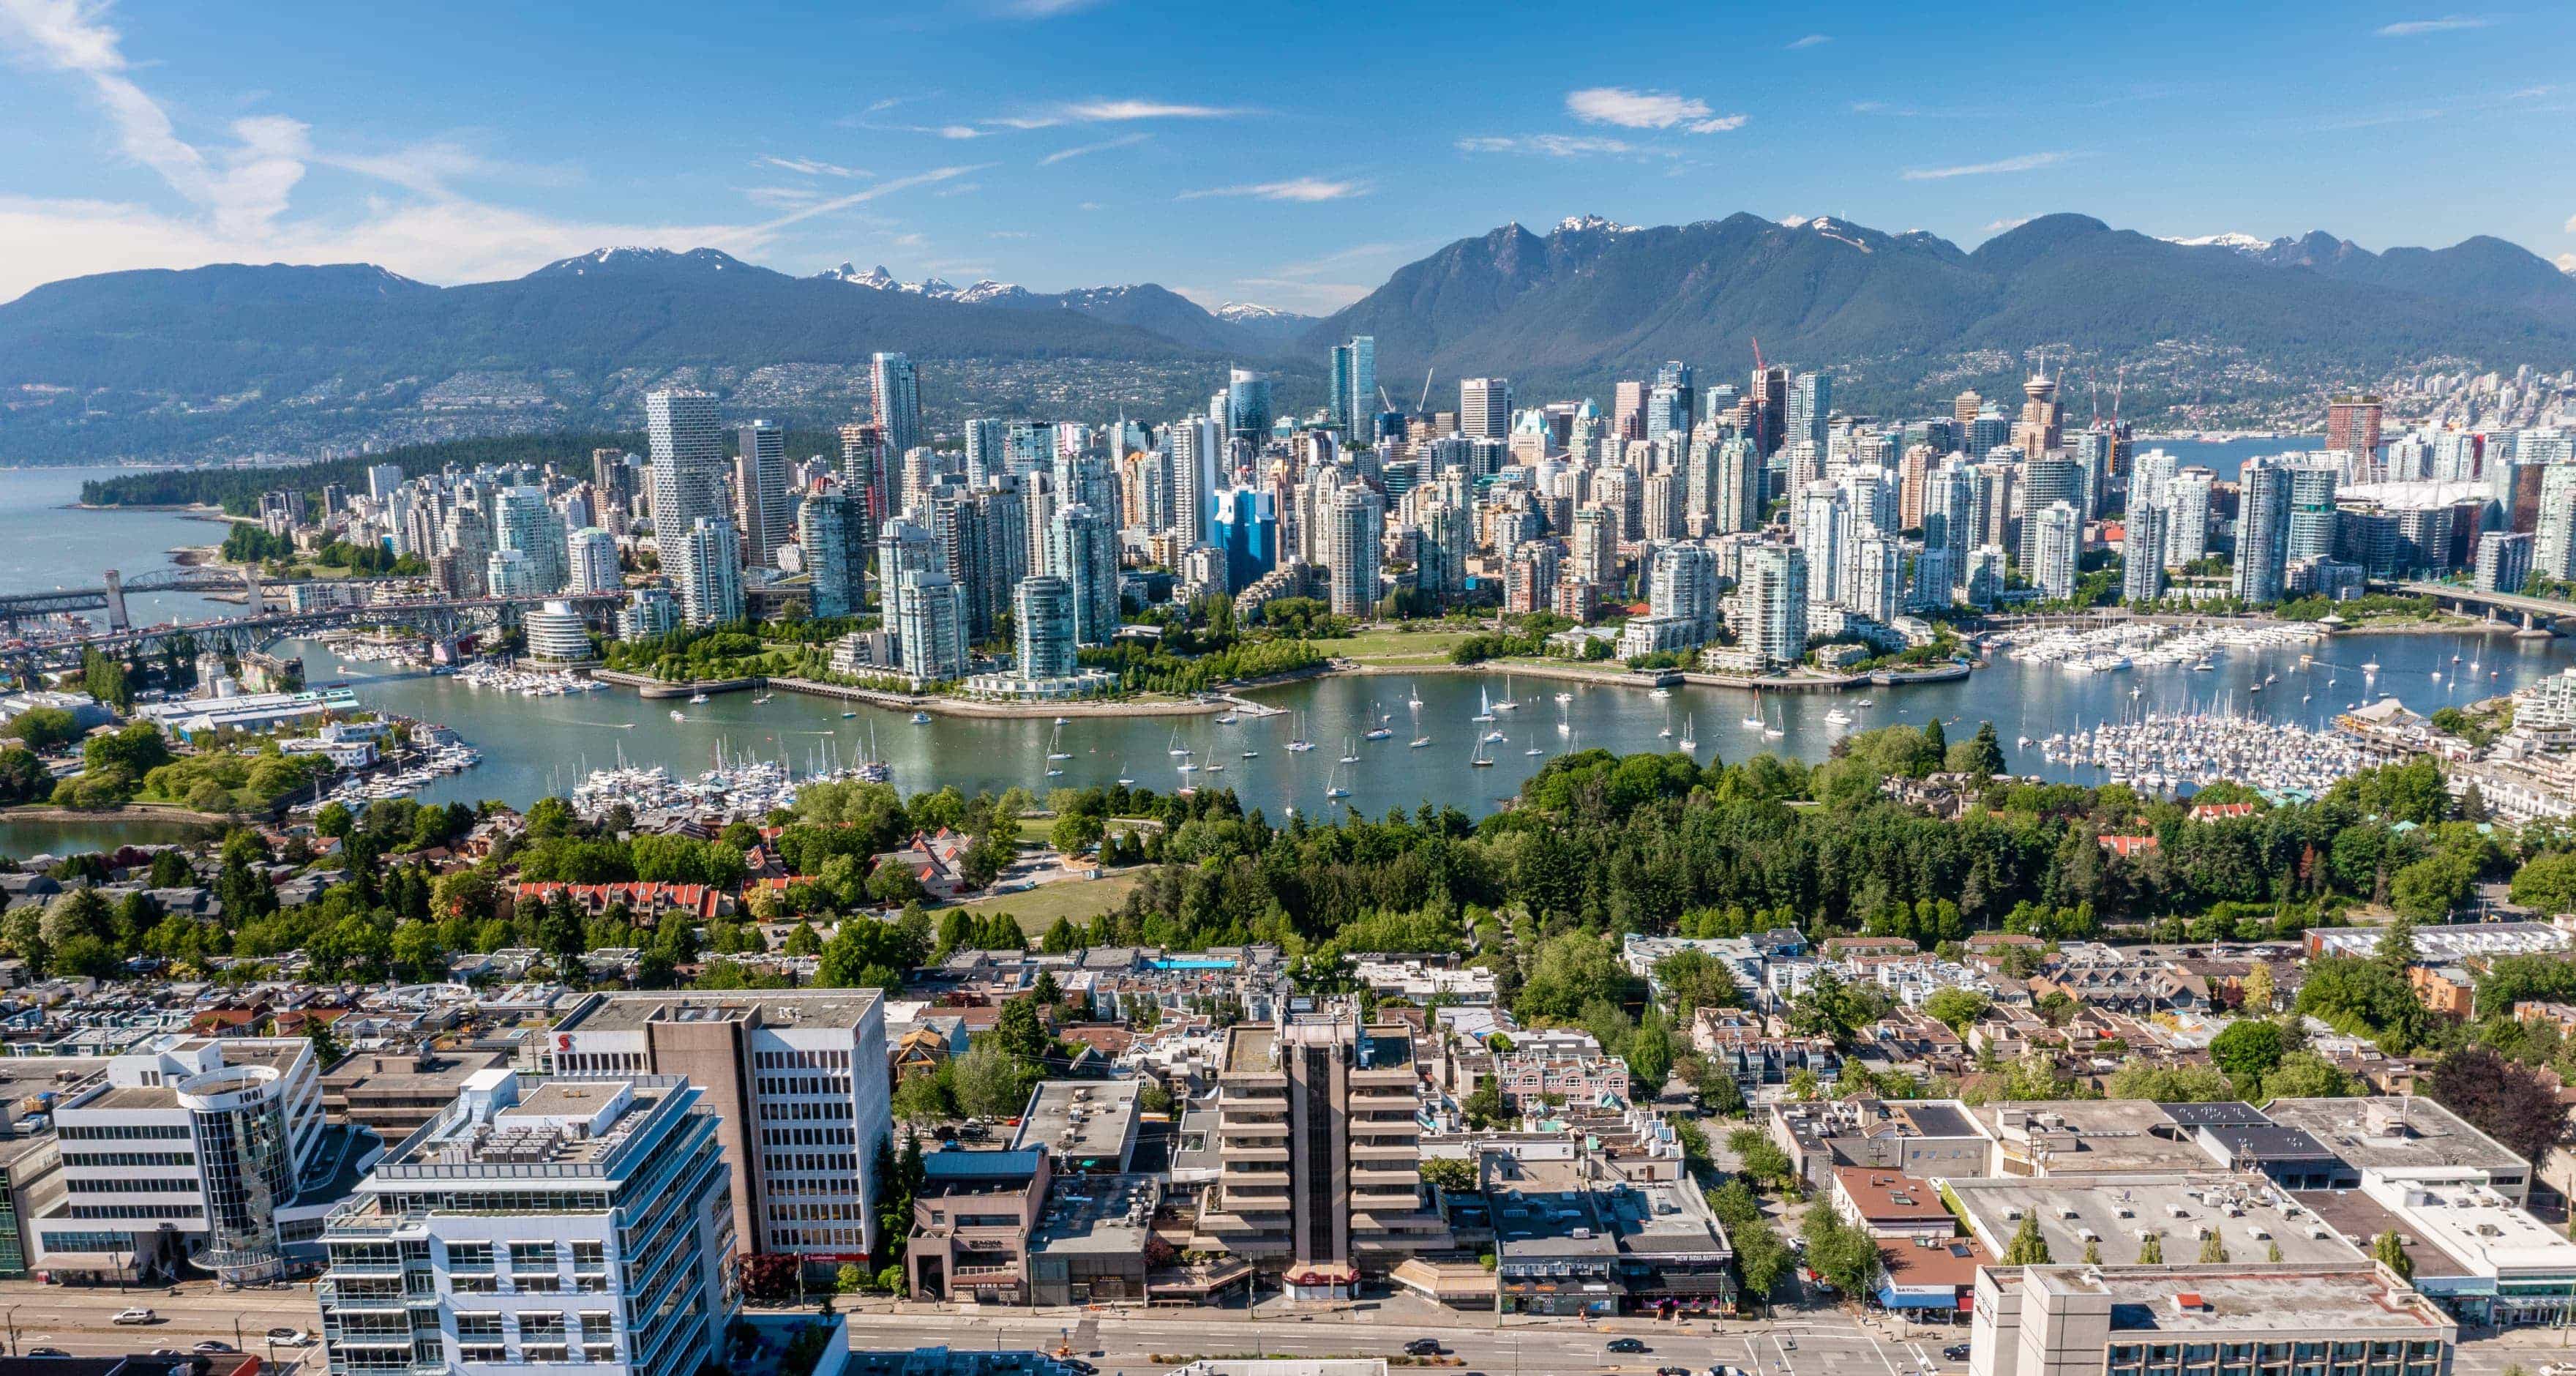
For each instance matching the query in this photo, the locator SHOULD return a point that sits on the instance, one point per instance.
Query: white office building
(555, 633)
(534, 1225)
(208, 1150)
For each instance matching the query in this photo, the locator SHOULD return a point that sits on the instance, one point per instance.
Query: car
(213, 1345)
(1076, 1364)
(289, 1337)
(1627, 1345)
(1673, 1371)
(137, 1314)
(1955, 1352)
(1422, 1347)
(168, 1352)
(47, 1352)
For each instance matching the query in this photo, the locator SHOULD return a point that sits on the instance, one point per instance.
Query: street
(78, 1319)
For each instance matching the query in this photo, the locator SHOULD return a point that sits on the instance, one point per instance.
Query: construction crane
(1758, 365)
(1424, 406)
(1383, 399)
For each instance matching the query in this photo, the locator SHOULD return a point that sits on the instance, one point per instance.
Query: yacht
(1349, 756)
(1752, 721)
(1663, 692)
(921, 718)
(1421, 741)
(1667, 733)
(1059, 721)
(1564, 698)
(1533, 750)
(2370, 666)
(2202, 666)
(1297, 741)
(1493, 735)
(1173, 747)
(1378, 732)
(1252, 754)
(1228, 719)
(845, 716)
(1507, 704)
(696, 698)
(678, 715)
(1772, 732)
(1188, 766)
(1332, 785)
(1123, 780)
(1838, 717)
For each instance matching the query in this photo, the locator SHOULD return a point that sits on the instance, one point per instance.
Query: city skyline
(493, 142)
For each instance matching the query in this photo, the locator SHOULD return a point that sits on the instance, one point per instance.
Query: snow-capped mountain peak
(876, 278)
(1576, 224)
(2242, 243)
(936, 289)
(1247, 310)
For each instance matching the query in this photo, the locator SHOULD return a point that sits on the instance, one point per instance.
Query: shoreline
(122, 812)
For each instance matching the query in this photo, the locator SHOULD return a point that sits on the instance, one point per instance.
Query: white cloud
(2416, 28)
(2028, 162)
(2566, 261)
(1006, 234)
(786, 197)
(811, 167)
(1812, 40)
(1550, 145)
(1063, 154)
(1046, 9)
(1293, 189)
(1630, 109)
(1999, 226)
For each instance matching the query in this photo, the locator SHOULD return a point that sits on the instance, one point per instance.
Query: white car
(289, 1337)
(137, 1315)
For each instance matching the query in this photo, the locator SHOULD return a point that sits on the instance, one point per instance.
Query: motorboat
(921, 718)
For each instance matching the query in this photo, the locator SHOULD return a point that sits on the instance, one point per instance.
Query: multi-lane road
(80, 1320)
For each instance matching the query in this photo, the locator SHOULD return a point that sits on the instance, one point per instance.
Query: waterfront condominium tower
(1043, 616)
(533, 1224)
(896, 391)
(688, 482)
(832, 529)
(709, 573)
(760, 502)
(1354, 399)
(524, 522)
(2142, 551)
(1774, 603)
(2262, 530)
(1082, 549)
(1352, 538)
(1485, 408)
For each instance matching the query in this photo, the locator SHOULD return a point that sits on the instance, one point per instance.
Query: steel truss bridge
(437, 618)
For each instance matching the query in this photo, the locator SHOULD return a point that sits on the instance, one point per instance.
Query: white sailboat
(1477, 758)
(1690, 733)
(1297, 738)
(1772, 732)
(1332, 786)
(1507, 704)
(1349, 756)
(1123, 780)
(1174, 748)
(1484, 705)
(1413, 696)
(1667, 733)
(1378, 732)
(1055, 747)
(1533, 748)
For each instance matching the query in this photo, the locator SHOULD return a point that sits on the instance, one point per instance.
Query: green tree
(2027, 1247)
(2151, 1249)
(1956, 1008)
(1450, 1174)
(991, 1082)
(1650, 1059)
(1074, 834)
(45, 728)
(2213, 1249)
(2247, 1050)
(2390, 1251)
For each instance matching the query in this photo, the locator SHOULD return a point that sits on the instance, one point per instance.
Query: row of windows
(2197, 1354)
(599, 1063)
(816, 1213)
(844, 1185)
(847, 1239)
(119, 1132)
(809, 1112)
(131, 1184)
(800, 1060)
(88, 1242)
(129, 1158)
(803, 1084)
(775, 1162)
(138, 1211)
(806, 1137)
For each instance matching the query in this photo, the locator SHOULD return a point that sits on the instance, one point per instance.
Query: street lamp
(13, 1330)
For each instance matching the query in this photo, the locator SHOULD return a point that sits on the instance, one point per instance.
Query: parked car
(1628, 1345)
(1673, 1371)
(1955, 1352)
(47, 1352)
(213, 1345)
(289, 1337)
(136, 1314)
(1422, 1347)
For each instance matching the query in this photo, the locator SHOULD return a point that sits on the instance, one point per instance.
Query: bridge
(2538, 613)
(200, 578)
(435, 617)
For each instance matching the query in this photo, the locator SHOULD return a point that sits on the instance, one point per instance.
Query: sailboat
(1188, 765)
(1533, 748)
(1413, 696)
(1054, 747)
(1296, 738)
(1752, 720)
(1332, 785)
(1349, 756)
(1175, 749)
(1421, 741)
(1506, 705)
(1477, 758)
(1123, 780)
(1484, 706)
(1378, 732)
(1772, 732)
(1690, 733)
(1667, 733)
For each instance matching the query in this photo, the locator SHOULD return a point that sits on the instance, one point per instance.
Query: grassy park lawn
(1079, 899)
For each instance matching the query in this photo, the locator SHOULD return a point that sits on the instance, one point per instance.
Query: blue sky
(1286, 154)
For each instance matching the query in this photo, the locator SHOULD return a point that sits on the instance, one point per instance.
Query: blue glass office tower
(1247, 408)
(1247, 529)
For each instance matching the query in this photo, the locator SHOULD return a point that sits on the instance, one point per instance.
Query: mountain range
(235, 359)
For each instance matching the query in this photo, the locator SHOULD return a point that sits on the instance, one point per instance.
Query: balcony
(1374, 1099)
(1384, 1175)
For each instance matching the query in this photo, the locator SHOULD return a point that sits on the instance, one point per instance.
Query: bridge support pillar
(250, 588)
(2534, 627)
(116, 617)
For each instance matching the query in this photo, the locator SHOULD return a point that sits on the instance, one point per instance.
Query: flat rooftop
(1106, 1215)
(2095, 1136)
(1251, 1049)
(2401, 1133)
(2361, 1220)
(531, 1134)
(1081, 1120)
(2336, 1301)
(770, 1008)
(2113, 1213)
(1889, 1197)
